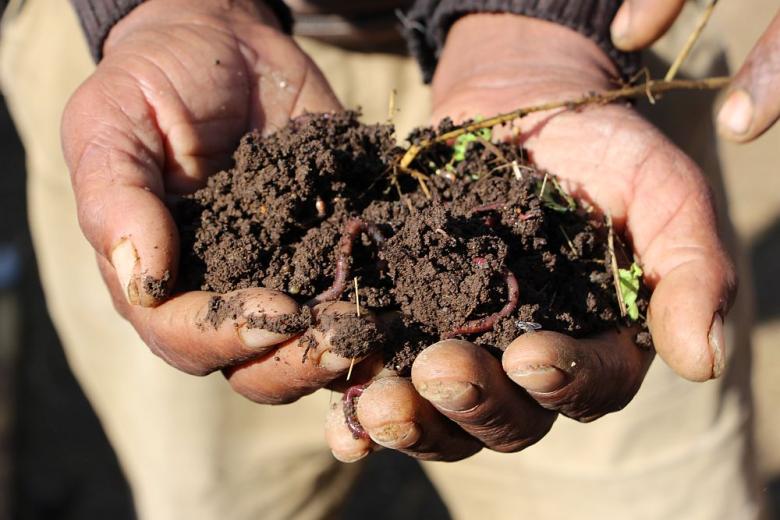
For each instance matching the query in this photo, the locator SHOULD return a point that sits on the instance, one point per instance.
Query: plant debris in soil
(477, 244)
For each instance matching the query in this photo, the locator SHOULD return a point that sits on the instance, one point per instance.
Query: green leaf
(462, 141)
(630, 280)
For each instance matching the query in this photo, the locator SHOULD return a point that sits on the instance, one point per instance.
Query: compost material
(471, 241)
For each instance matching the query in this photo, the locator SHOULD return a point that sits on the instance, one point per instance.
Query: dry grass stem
(648, 88)
(689, 43)
(614, 265)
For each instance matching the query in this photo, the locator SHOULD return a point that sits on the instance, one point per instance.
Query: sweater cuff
(98, 17)
(428, 22)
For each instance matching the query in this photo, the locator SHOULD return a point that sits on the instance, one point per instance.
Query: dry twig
(652, 87)
(614, 265)
(678, 61)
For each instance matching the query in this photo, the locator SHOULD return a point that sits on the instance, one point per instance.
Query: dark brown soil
(284, 216)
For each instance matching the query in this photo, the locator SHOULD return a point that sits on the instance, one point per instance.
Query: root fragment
(488, 322)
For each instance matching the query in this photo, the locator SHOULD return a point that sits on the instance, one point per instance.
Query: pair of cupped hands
(180, 82)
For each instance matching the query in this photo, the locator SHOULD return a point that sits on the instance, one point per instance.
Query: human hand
(460, 399)
(180, 83)
(752, 104)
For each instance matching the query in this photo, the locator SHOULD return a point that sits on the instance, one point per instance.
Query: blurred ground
(754, 193)
(64, 467)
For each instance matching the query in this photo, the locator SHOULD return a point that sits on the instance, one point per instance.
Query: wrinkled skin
(179, 84)
(182, 81)
(459, 399)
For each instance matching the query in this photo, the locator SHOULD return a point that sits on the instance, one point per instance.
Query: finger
(114, 156)
(638, 23)
(199, 332)
(671, 221)
(395, 416)
(580, 378)
(467, 385)
(298, 85)
(345, 446)
(753, 102)
(308, 362)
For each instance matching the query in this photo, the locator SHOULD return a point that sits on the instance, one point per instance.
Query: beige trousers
(192, 449)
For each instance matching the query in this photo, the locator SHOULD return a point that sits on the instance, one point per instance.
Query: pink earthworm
(352, 229)
(350, 411)
(493, 206)
(488, 322)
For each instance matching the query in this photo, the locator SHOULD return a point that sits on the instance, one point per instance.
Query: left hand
(460, 399)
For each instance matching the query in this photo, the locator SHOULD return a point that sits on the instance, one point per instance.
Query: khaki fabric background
(192, 449)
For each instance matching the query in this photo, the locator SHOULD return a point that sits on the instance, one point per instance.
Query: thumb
(638, 23)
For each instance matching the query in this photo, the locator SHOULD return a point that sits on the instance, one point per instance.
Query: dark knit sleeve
(99, 16)
(428, 22)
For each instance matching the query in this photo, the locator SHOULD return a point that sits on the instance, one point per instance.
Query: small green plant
(462, 141)
(630, 280)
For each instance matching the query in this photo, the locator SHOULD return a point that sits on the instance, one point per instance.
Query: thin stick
(649, 87)
(357, 297)
(614, 264)
(568, 240)
(357, 307)
(391, 105)
(544, 185)
(678, 61)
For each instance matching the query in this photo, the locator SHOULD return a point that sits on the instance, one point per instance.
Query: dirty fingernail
(396, 435)
(542, 379)
(620, 25)
(125, 260)
(736, 114)
(455, 396)
(717, 343)
(256, 338)
(333, 362)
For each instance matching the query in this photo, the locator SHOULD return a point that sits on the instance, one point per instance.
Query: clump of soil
(485, 247)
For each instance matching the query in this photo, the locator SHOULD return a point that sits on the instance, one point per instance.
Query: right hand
(180, 82)
(461, 399)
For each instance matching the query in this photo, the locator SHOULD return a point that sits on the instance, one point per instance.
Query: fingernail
(736, 114)
(396, 435)
(351, 457)
(125, 260)
(717, 342)
(542, 379)
(255, 338)
(333, 362)
(454, 396)
(620, 25)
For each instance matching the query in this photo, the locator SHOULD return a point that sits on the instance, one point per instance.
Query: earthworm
(489, 220)
(488, 322)
(350, 411)
(352, 229)
(493, 206)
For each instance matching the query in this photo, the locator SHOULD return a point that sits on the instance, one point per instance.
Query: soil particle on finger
(435, 258)
(352, 336)
(232, 309)
(157, 288)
